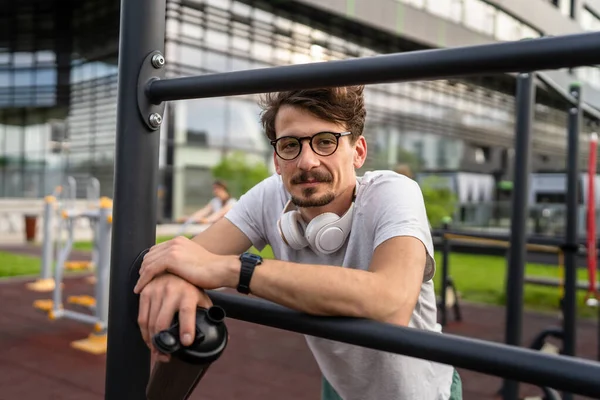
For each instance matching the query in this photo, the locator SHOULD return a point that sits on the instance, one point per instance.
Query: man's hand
(160, 300)
(190, 261)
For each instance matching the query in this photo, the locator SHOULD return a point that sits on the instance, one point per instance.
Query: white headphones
(326, 233)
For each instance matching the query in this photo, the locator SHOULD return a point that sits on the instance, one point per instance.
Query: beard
(308, 198)
(309, 201)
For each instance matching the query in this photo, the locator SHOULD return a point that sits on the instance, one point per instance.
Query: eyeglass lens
(323, 144)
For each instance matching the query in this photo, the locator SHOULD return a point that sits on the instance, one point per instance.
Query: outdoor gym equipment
(101, 221)
(45, 283)
(449, 295)
(525, 101)
(142, 93)
(63, 198)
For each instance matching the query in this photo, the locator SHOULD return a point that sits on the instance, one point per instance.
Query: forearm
(202, 213)
(330, 291)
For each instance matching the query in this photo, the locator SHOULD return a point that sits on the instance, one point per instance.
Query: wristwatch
(249, 262)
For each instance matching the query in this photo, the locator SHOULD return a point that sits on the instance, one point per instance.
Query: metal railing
(141, 95)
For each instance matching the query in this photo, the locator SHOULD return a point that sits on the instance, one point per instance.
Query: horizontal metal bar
(77, 316)
(533, 239)
(553, 282)
(562, 373)
(527, 55)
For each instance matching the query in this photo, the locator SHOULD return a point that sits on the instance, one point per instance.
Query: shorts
(329, 393)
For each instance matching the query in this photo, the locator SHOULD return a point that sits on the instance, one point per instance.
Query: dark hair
(343, 105)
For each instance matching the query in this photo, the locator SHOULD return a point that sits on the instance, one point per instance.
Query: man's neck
(338, 206)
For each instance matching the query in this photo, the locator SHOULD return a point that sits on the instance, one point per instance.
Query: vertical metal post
(570, 295)
(63, 255)
(142, 31)
(104, 224)
(525, 100)
(445, 261)
(48, 244)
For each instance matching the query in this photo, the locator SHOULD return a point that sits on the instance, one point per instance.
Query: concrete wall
(432, 31)
(541, 15)
(403, 19)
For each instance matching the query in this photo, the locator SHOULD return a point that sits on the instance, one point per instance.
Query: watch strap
(249, 262)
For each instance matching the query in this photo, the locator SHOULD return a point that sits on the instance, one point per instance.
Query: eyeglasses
(322, 143)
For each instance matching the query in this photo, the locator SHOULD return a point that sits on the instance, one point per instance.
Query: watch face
(251, 257)
(255, 257)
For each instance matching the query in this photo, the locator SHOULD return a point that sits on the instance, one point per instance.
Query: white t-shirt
(387, 205)
(216, 203)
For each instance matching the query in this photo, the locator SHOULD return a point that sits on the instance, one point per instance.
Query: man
(216, 208)
(343, 245)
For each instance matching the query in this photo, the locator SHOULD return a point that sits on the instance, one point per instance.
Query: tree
(412, 160)
(240, 173)
(440, 201)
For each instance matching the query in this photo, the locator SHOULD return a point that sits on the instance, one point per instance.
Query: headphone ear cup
(291, 228)
(321, 233)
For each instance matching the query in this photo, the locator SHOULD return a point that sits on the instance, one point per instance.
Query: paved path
(37, 362)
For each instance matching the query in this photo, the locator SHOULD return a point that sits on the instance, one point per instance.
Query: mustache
(317, 176)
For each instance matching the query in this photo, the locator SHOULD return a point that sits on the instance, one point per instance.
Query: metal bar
(577, 375)
(48, 243)
(553, 282)
(142, 31)
(104, 228)
(527, 55)
(63, 255)
(570, 296)
(532, 239)
(445, 261)
(518, 228)
(456, 306)
(76, 316)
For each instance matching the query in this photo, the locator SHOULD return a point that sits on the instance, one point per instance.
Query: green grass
(87, 246)
(478, 278)
(18, 265)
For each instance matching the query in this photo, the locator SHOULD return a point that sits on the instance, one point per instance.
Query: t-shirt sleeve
(215, 204)
(247, 213)
(399, 210)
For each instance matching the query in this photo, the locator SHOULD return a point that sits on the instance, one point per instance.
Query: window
(208, 116)
(191, 31)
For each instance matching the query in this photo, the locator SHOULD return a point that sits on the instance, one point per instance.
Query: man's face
(311, 179)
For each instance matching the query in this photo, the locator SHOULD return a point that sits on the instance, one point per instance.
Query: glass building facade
(58, 98)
